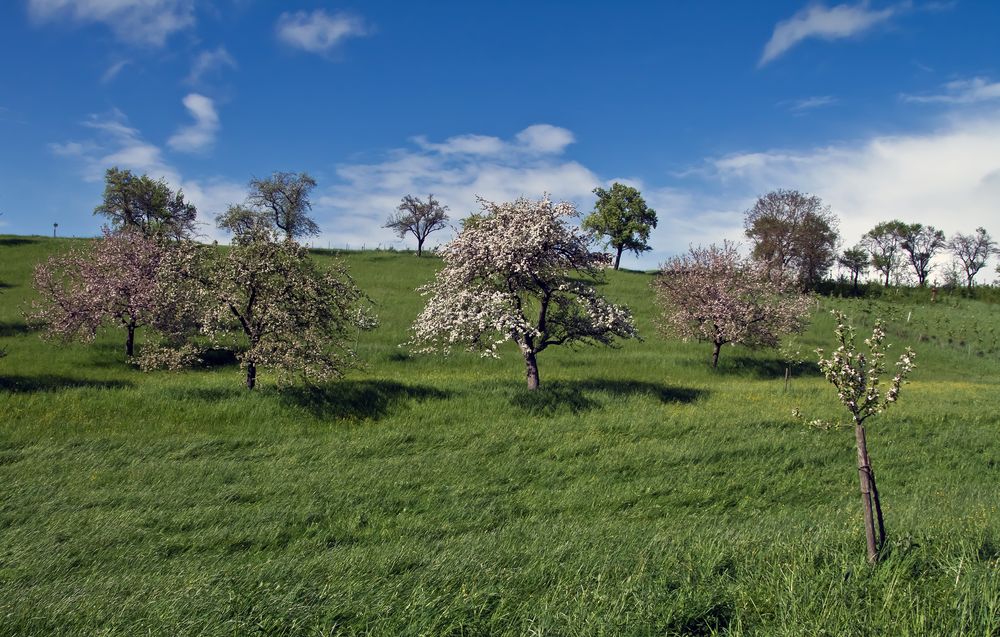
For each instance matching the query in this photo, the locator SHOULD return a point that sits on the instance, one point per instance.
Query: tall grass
(638, 492)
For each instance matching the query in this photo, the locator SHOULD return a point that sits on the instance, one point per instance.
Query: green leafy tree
(280, 201)
(621, 215)
(855, 260)
(794, 234)
(884, 244)
(141, 203)
(972, 251)
(921, 243)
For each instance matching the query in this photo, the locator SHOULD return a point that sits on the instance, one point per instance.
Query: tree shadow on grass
(49, 382)
(10, 242)
(15, 328)
(764, 368)
(585, 395)
(363, 399)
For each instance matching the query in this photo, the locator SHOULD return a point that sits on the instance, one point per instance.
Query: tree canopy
(921, 243)
(146, 205)
(280, 201)
(883, 242)
(794, 234)
(418, 218)
(621, 215)
(972, 251)
(519, 272)
(714, 295)
(855, 260)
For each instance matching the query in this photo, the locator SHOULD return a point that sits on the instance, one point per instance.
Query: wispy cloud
(117, 143)
(209, 62)
(809, 103)
(456, 170)
(535, 139)
(825, 23)
(143, 22)
(198, 136)
(112, 71)
(319, 31)
(971, 91)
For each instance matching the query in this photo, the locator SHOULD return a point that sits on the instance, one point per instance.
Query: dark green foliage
(147, 205)
(621, 215)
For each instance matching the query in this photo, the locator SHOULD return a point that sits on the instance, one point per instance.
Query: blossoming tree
(857, 378)
(288, 313)
(113, 282)
(517, 272)
(712, 294)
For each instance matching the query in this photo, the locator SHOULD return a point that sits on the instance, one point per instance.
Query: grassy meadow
(639, 492)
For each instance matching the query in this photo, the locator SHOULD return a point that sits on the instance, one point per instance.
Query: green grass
(637, 493)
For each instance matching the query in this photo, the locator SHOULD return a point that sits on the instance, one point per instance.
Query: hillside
(639, 491)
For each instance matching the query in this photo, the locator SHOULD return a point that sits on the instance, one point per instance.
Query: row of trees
(798, 235)
(892, 246)
(521, 271)
(263, 298)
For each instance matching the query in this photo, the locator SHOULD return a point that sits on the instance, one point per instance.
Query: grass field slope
(638, 492)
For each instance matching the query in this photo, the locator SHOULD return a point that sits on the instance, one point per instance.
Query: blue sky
(883, 109)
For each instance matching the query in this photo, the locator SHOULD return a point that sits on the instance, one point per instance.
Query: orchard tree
(921, 243)
(519, 271)
(240, 219)
(418, 218)
(884, 243)
(281, 200)
(146, 205)
(285, 311)
(794, 234)
(621, 215)
(117, 281)
(714, 295)
(857, 378)
(856, 261)
(972, 251)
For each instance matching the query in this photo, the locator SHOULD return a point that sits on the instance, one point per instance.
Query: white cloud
(319, 31)
(545, 138)
(809, 103)
(208, 62)
(948, 177)
(200, 135)
(119, 144)
(456, 171)
(112, 71)
(538, 139)
(145, 22)
(825, 23)
(971, 91)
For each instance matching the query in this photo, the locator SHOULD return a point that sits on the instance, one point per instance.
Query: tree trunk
(531, 368)
(130, 340)
(420, 246)
(251, 375)
(867, 487)
(618, 257)
(887, 278)
(715, 355)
